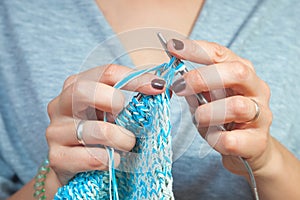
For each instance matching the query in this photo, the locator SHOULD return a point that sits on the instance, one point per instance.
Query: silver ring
(257, 112)
(79, 131)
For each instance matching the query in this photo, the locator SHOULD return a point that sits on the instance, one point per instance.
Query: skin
(270, 161)
(277, 171)
(273, 165)
(79, 93)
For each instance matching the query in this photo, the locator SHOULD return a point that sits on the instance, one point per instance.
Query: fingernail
(179, 85)
(177, 44)
(158, 84)
(195, 121)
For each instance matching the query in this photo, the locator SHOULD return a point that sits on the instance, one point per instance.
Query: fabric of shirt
(44, 42)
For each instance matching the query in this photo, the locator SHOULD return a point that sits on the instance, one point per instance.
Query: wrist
(271, 163)
(52, 184)
(280, 171)
(39, 185)
(46, 182)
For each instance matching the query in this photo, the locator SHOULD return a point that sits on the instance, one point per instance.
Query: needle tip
(161, 38)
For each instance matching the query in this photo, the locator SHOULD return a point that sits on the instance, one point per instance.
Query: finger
(98, 132)
(78, 159)
(202, 52)
(111, 74)
(84, 93)
(235, 75)
(93, 132)
(96, 114)
(244, 143)
(238, 109)
(75, 100)
(194, 100)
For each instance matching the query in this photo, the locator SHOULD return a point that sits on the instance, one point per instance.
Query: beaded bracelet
(39, 185)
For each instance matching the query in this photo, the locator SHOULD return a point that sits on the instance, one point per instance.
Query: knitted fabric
(145, 172)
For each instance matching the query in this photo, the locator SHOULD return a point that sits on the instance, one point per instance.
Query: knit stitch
(144, 172)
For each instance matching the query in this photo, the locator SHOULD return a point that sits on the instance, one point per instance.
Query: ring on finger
(79, 131)
(257, 112)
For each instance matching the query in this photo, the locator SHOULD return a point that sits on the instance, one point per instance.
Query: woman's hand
(86, 96)
(249, 96)
(276, 169)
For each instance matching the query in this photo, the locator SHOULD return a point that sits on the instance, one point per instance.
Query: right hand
(91, 92)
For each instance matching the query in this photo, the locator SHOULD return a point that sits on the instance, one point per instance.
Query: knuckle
(76, 88)
(220, 53)
(239, 106)
(109, 72)
(50, 132)
(230, 144)
(266, 89)
(94, 162)
(240, 71)
(202, 115)
(268, 117)
(78, 91)
(55, 157)
(195, 81)
(53, 132)
(248, 63)
(69, 81)
(51, 107)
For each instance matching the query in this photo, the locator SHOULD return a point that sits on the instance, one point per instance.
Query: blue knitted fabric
(145, 172)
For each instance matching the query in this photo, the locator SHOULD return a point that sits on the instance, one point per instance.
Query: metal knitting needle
(202, 100)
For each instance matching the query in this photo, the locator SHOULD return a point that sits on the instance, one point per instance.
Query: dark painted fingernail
(179, 85)
(194, 121)
(177, 44)
(158, 84)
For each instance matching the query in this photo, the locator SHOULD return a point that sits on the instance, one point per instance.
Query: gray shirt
(43, 42)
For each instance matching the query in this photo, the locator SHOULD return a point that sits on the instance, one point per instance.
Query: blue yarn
(145, 172)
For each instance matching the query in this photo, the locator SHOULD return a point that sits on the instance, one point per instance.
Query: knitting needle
(203, 100)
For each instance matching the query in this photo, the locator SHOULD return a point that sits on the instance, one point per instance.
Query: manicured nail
(194, 121)
(179, 85)
(158, 84)
(177, 44)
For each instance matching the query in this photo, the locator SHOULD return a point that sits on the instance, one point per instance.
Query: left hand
(226, 71)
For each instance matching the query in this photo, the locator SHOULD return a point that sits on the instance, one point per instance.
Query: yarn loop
(145, 171)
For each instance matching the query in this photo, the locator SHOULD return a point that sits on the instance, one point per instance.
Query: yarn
(145, 172)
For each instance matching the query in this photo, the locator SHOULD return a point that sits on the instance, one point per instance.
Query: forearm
(280, 179)
(26, 192)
